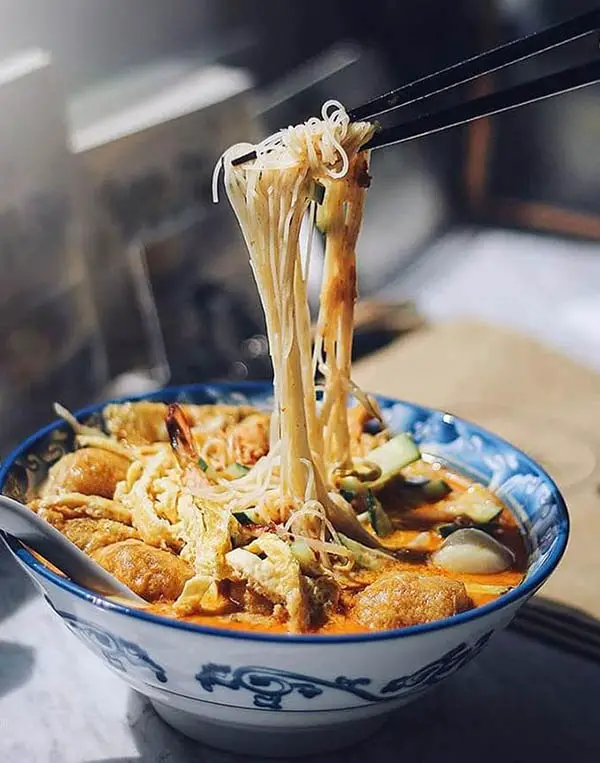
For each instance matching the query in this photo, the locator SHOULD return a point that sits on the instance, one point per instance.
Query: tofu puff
(150, 572)
(399, 599)
(90, 471)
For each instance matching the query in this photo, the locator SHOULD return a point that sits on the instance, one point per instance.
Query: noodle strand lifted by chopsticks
(270, 197)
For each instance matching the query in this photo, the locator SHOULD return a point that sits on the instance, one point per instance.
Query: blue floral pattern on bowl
(122, 655)
(270, 686)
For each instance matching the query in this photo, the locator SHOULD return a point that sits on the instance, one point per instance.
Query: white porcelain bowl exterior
(292, 695)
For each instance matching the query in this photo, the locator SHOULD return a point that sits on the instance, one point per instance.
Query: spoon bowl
(25, 525)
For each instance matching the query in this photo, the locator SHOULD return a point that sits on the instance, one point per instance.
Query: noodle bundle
(271, 196)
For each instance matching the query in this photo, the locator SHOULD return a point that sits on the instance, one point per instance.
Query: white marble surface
(58, 704)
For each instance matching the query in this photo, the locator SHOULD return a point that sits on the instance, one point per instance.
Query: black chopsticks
(504, 100)
(485, 63)
(457, 74)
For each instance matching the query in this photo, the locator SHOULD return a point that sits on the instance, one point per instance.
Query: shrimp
(184, 448)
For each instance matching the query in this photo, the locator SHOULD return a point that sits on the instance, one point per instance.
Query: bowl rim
(523, 590)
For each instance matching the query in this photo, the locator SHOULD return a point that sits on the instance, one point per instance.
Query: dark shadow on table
(16, 665)
(15, 587)
(520, 700)
(16, 660)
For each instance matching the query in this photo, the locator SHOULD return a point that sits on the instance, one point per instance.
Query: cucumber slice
(305, 557)
(247, 517)
(435, 490)
(235, 471)
(447, 529)
(380, 522)
(369, 558)
(208, 469)
(393, 456)
(477, 503)
(415, 483)
(317, 192)
(483, 588)
(390, 458)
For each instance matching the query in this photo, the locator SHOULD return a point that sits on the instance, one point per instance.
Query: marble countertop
(59, 704)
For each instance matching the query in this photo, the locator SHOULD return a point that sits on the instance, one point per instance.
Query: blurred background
(119, 274)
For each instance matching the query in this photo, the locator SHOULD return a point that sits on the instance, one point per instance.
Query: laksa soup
(309, 518)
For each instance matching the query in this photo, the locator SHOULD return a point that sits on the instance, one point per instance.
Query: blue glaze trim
(524, 590)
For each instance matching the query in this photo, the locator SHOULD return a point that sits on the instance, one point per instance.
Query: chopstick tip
(243, 158)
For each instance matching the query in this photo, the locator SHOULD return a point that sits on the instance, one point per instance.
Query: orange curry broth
(425, 517)
(412, 523)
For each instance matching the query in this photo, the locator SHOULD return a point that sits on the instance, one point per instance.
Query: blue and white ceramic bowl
(286, 695)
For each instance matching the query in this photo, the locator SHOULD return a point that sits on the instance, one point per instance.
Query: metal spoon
(25, 525)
